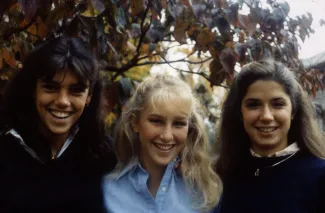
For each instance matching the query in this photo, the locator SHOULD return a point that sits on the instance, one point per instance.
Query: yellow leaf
(138, 73)
(145, 49)
(230, 44)
(110, 118)
(137, 6)
(32, 29)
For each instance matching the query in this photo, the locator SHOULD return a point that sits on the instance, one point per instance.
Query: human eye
(180, 124)
(77, 89)
(49, 87)
(279, 104)
(252, 104)
(156, 121)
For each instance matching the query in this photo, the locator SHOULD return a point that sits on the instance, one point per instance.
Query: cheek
(79, 102)
(182, 135)
(285, 117)
(145, 137)
(249, 116)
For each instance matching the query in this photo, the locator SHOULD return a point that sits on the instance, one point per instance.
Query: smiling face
(267, 112)
(60, 103)
(162, 132)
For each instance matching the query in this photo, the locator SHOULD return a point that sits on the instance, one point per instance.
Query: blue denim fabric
(128, 192)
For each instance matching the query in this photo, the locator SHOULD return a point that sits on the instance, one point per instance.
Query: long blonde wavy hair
(196, 160)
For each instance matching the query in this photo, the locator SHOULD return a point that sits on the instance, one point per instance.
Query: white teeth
(60, 114)
(164, 147)
(267, 130)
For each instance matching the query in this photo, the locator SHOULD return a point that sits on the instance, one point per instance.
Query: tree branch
(204, 75)
(133, 62)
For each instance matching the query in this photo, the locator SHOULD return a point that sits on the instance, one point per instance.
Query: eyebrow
(185, 117)
(251, 99)
(58, 83)
(257, 99)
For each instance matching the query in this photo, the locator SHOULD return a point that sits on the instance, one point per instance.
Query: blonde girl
(161, 126)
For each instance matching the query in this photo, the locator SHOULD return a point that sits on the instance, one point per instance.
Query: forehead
(173, 108)
(65, 76)
(263, 89)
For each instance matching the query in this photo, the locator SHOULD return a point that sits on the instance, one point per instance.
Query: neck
(267, 151)
(56, 141)
(155, 176)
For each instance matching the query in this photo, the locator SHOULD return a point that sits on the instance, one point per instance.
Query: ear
(88, 100)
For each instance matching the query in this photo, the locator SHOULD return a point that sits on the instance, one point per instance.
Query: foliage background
(130, 36)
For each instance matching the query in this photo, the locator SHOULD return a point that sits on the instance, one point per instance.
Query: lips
(164, 147)
(266, 129)
(59, 114)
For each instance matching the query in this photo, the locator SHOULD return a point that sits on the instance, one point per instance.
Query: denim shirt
(128, 192)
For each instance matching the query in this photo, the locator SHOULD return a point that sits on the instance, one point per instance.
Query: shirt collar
(22, 143)
(135, 163)
(292, 148)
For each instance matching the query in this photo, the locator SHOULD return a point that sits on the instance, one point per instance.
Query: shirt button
(163, 189)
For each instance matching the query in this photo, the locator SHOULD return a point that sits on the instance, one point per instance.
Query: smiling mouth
(59, 114)
(266, 129)
(164, 147)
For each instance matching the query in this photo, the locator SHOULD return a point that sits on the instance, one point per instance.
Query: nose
(62, 100)
(266, 114)
(167, 134)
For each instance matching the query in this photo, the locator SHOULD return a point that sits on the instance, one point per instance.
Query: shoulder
(309, 166)
(310, 161)
(119, 175)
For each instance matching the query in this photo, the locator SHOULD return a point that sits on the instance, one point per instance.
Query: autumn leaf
(204, 39)
(55, 15)
(95, 8)
(228, 59)
(9, 57)
(110, 119)
(180, 31)
(42, 29)
(138, 73)
(217, 73)
(137, 6)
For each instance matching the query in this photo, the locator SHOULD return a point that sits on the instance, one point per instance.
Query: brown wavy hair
(304, 128)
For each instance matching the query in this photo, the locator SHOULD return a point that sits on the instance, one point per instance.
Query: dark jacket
(70, 183)
(296, 185)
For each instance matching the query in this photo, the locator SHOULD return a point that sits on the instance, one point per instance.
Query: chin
(161, 162)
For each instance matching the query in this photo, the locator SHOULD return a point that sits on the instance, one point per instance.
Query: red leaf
(217, 73)
(228, 59)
